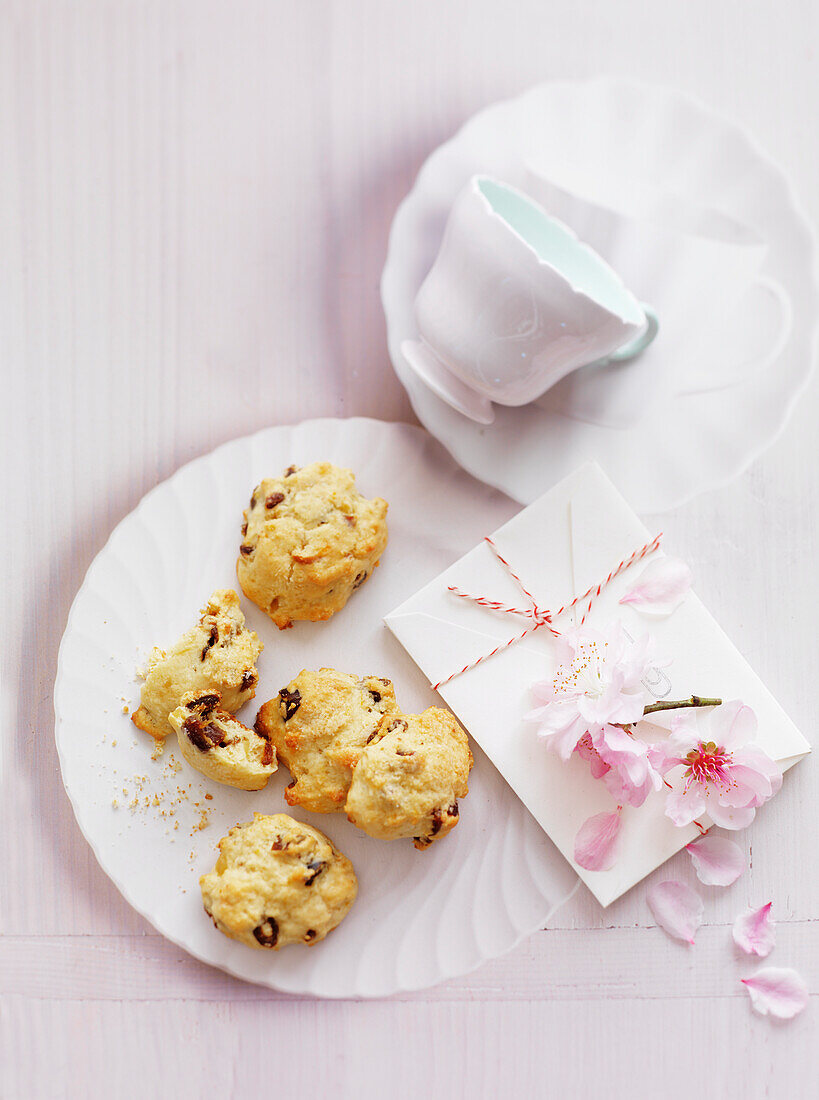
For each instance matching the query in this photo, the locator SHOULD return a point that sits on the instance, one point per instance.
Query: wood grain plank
(643, 1048)
(558, 965)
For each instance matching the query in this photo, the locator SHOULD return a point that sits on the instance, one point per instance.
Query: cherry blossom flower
(585, 750)
(661, 587)
(596, 840)
(676, 908)
(725, 775)
(597, 683)
(621, 761)
(717, 860)
(754, 931)
(777, 991)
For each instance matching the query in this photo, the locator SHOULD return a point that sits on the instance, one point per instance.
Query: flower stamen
(708, 763)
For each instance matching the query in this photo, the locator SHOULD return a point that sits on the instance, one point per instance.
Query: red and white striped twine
(538, 616)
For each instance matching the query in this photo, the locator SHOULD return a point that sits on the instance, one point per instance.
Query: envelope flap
(604, 531)
(537, 542)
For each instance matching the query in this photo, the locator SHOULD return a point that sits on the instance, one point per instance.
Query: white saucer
(420, 917)
(688, 442)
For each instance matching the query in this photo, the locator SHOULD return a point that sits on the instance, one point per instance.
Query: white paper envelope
(567, 541)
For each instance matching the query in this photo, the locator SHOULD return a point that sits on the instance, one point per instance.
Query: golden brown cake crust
(219, 746)
(219, 654)
(278, 881)
(309, 540)
(319, 725)
(407, 782)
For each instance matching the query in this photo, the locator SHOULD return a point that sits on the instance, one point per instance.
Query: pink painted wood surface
(194, 205)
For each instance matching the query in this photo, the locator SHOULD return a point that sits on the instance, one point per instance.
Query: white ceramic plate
(688, 443)
(420, 917)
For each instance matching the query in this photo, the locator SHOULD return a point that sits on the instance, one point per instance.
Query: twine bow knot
(540, 617)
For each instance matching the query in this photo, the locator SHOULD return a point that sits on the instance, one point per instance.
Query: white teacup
(514, 302)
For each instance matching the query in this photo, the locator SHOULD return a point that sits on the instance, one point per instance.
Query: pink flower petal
(623, 790)
(749, 787)
(663, 757)
(543, 691)
(586, 750)
(729, 817)
(754, 931)
(684, 806)
(596, 841)
(777, 991)
(751, 759)
(717, 860)
(684, 734)
(676, 908)
(661, 587)
(733, 724)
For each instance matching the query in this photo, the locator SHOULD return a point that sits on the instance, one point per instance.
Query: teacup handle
(641, 341)
(748, 367)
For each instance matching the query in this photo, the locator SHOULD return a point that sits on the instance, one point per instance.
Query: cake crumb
(154, 794)
(115, 803)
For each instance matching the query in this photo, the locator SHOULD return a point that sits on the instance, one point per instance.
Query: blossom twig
(678, 704)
